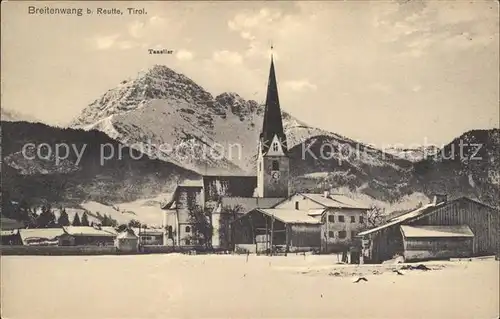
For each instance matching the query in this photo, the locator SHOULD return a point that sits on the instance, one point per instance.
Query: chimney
(439, 198)
(326, 194)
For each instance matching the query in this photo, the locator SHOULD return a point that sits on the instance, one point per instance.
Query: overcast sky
(380, 72)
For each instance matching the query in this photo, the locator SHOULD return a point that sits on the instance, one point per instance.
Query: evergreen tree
(76, 220)
(122, 227)
(46, 218)
(105, 220)
(85, 219)
(63, 219)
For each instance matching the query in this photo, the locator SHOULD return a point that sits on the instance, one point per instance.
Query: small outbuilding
(127, 241)
(90, 236)
(439, 230)
(275, 230)
(427, 242)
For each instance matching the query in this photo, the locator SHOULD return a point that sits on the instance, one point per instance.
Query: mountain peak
(156, 83)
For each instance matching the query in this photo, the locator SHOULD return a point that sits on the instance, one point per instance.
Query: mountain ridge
(163, 108)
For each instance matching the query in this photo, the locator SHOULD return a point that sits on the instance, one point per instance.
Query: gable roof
(127, 234)
(40, 234)
(247, 203)
(86, 231)
(147, 231)
(418, 213)
(289, 216)
(436, 231)
(335, 201)
(402, 218)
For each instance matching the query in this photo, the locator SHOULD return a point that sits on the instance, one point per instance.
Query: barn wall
(482, 220)
(305, 235)
(437, 248)
(384, 244)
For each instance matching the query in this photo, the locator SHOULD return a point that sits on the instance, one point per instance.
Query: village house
(43, 236)
(341, 217)
(127, 241)
(89, 236)
(276, 230)
(178, 222)
(441, 229)
(149, 236)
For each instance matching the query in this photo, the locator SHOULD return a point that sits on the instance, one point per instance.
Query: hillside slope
(97, 176)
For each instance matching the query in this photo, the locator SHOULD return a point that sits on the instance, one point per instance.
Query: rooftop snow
(335, 201)
(437, 231)
(290, 216)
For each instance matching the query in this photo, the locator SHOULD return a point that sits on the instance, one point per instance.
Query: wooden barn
(442, 229)
(277, 230)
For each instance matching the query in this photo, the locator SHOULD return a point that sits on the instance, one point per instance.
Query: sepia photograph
(250, 159)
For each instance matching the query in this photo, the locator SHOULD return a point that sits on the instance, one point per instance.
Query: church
(253, 213)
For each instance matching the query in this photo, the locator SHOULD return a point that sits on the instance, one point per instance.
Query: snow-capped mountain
(187, 132)
(167, 114)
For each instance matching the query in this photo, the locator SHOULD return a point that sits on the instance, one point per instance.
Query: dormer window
(275, 147)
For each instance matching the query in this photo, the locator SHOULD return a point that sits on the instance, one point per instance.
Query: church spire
(273, 125)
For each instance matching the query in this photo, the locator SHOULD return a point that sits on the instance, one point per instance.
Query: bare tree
(375, 216)
(228, 215)
(201, 226)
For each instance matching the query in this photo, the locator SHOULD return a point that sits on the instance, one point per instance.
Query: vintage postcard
(230, 159)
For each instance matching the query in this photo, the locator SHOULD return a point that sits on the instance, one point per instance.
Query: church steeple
(273, 164)
(272, 125)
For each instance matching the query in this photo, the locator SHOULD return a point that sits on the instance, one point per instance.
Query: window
(275, 146)
(188, 230)
(331, 219)
(353, 234)
(341, 219)
(342, 234)
(353, 219)
(296, 205)
(276, 166)
(361, 219)
(188, 242)
(331, 234)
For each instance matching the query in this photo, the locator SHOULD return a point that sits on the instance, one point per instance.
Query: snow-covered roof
(147, 231)
(398, 220)
(39, 234)
(335, 201)
(436, 231)
(86, 231)
(127, 234)
(9, 232)
(248, 203)
(290, 216)
(109, 229)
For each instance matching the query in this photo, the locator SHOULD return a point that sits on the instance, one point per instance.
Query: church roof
(272, 124)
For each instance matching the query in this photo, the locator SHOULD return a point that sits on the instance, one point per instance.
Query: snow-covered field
(182, 286)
